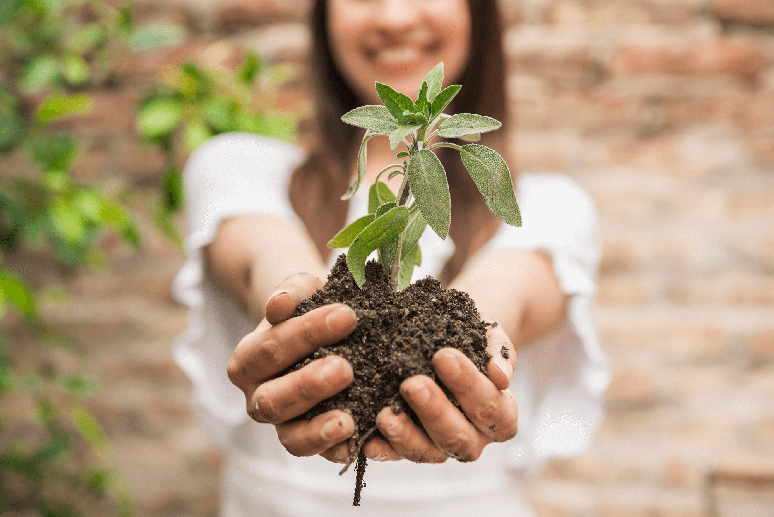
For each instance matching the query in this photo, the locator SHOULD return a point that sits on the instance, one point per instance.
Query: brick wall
(664, 111)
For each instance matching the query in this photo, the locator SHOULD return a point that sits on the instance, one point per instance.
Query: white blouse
(558, 383)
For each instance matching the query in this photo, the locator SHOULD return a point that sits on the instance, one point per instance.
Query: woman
(259, 215)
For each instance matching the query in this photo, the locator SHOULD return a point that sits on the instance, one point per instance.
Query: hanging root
(360, 467)
(355, 446)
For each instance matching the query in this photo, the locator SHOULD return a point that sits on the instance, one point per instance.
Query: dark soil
(396, 337)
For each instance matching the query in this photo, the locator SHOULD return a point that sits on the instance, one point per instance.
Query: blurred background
(662, 109)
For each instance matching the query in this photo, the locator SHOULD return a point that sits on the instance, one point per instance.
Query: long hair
(317, 184)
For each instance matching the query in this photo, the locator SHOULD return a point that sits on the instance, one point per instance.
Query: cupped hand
(280, 341)
(489, 411)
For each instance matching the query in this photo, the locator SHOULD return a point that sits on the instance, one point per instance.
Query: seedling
(394, 224)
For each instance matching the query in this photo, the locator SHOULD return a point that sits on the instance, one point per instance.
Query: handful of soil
(396, 337)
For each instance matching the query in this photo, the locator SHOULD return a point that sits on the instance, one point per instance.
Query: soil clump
(396, 337)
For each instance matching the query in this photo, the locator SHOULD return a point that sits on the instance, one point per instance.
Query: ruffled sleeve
(559, 383)
(229, 175)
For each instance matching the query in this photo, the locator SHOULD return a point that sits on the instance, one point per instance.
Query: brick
(238, 14)
(631, 388)
(760, 346)
(606, 13)
(732, 288)
(279, 42)
(738, 57)
(752, 12)
(628, 289)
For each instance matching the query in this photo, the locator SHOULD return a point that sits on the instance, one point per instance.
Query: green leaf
(16, 290)
(172, 188)
(56, 106)
(9, 9)
(397, 136)
(88, 426)
(383, 209)
(74, 70)
(361, 166)
(250, 68)
(68, 224)
(422, 102)
(220, 114)
(443, 99)
(463, 124)
(493, 179)
(408, 262)
(379, 194)
(345, 237)
(276, 125)
(434, 81)
(430, 187)
(158, 117)
(87, 37)
(41, 72)
(195, 134)
(377, 119)
(11, 130)
(403, 154)
(395, 102)
(156, 36)
(414, 230)
(54, 152)
(475, 137)
(377, 234)
(394, 173)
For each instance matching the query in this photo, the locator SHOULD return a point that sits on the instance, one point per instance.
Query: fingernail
(452, 365)
(391, 428)
(331, 369)
(419, 394)
(333, 430)
(336, 321)
(503, 365)
(278, 292)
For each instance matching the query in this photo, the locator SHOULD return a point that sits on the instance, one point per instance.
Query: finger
(263, 354)
(310, 437)
(378, 449)
(406, 439)
(445, 425)
(493, 412)
(500, 367)
(282, 302)
(286, 397)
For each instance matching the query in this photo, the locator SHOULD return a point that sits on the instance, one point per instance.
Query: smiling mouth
(400, 56)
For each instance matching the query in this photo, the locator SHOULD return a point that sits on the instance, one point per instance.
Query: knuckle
(508, 433)
(487, 412)
(234, 371)
(457, 445)
(270, 355)
(265, 408)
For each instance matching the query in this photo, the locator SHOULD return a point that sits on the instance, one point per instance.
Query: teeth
(398, 55)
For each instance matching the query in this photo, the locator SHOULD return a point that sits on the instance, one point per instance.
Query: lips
(401, 58)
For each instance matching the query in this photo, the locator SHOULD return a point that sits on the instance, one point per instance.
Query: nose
(397, 15)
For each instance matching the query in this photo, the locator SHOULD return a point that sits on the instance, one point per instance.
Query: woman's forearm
(254, 253)
(518, 289)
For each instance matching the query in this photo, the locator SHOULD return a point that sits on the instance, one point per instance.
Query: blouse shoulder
(559, 217)
(236, 173)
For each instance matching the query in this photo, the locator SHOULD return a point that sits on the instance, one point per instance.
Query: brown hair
(317, 184)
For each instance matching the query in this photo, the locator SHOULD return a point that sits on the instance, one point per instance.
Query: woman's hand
(279, 342)
(491, 410)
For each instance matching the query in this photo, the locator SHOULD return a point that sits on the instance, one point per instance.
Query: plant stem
(403, 194)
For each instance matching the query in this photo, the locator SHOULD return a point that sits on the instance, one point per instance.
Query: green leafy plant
(395, 224)
(53, 456)
(193, 103)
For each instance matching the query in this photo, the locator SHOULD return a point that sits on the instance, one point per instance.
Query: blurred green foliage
(52, 52)
(193, 102)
